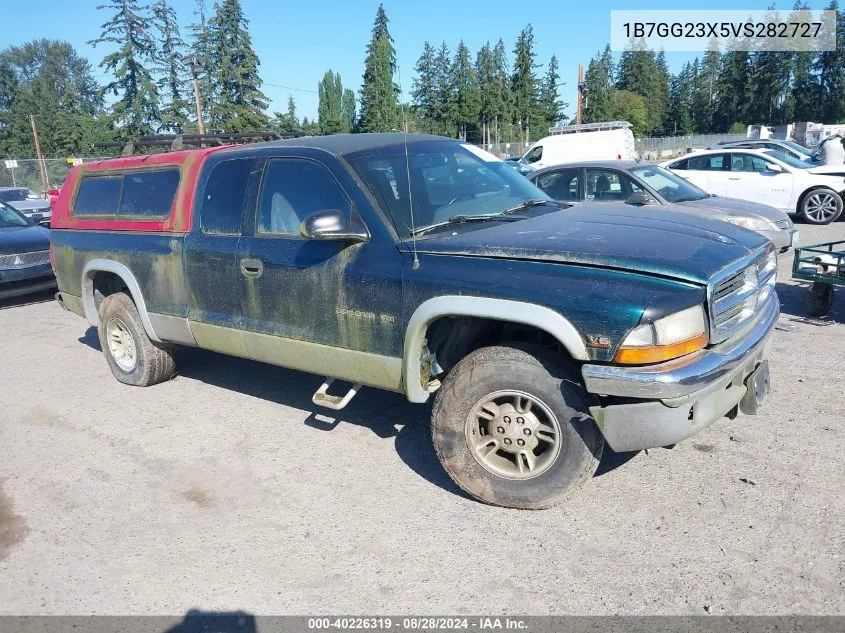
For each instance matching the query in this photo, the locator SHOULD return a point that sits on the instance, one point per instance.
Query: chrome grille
(24, 260)
(735, 297)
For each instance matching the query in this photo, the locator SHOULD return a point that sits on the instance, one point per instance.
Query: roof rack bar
(178, 141)
(589, 127)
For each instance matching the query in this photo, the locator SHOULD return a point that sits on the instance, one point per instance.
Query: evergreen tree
(136, 109)
(8, 90)
(200, 47)
(705, 81)
(659, 102)
(830, 68)
(466, 95)
(679, 119)
(445, 115)
(524, 82)
(329, 115)
(347, 110)
(49, 80)
(488, 91)
(502, 104)
(769, 80)
(172, 84)
(804, 86)
(598, 84)
(550, 106)
(288, 122)
(732, 91)
(424, 89)
(379, 94)
(237, 103)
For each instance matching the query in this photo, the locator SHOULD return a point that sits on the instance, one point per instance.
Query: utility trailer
(824, 266)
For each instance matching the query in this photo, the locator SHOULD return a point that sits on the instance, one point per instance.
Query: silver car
(33, 206)
(638, 184)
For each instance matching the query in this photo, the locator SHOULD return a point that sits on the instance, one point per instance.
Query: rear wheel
(132, 356)
(819, 298)
(821, 206)
(511, 427)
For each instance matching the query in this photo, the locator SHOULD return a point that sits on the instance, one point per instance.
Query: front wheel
(511, 427)
(821, 206)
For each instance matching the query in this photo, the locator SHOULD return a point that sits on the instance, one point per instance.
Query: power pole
(196, 68)
(580, 93)
(41, 166)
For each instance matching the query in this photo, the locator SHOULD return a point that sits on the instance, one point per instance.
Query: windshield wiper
(534, 202)
(461, 219)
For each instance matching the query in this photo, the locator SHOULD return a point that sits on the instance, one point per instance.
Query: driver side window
(535, 154)
(292, 190)
(609, 185)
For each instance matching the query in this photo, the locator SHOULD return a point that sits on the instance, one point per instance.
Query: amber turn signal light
(657, 353)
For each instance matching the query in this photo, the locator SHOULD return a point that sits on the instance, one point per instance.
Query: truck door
(212, 253)
(325, 306)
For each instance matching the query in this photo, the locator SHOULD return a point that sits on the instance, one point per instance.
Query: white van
(588, 141)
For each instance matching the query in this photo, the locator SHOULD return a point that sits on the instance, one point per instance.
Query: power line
(291, 88)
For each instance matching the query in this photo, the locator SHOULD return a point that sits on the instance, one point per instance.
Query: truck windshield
(670, 186)
(447, 179)
(10, 217)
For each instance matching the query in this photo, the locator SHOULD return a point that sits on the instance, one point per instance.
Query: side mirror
(332, 224)
(639, 198)
(774, 168)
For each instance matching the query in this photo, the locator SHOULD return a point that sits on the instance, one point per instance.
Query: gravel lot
(225, 489)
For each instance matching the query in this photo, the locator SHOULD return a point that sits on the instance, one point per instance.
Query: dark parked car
(24, 255)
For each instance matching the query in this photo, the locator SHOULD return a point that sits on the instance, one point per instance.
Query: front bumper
(22, 281)
(676, 399)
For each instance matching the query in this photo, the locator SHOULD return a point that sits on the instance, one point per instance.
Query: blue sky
(298, 41)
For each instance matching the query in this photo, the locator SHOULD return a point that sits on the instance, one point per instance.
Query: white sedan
(767, 177)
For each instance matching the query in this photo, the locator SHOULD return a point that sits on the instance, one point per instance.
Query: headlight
(753, 224)
(672, 336)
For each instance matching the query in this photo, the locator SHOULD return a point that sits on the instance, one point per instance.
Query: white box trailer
(612, 140)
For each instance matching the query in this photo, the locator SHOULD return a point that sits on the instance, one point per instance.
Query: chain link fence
(666, 147)
(25, 172)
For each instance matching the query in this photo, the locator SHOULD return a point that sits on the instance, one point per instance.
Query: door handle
(251, 267)
(734, 178)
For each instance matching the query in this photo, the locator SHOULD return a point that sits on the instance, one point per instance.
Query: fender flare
(111, 266)
(535, 315)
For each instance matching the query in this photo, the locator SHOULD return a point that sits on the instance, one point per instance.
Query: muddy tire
(511, 427)
(819, 299)
(133, 358)
(820, 206)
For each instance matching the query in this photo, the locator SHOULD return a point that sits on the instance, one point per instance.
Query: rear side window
(98, 195)
(148, 193)
(709, 162)
(223, 197)
(141, 194)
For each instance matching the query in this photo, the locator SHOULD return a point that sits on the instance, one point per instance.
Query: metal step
(324, 399)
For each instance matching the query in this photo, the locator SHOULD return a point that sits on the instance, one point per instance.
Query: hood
(30, 206)
(650, 240)
(829, 170)
(23, 239)
(719, 206)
